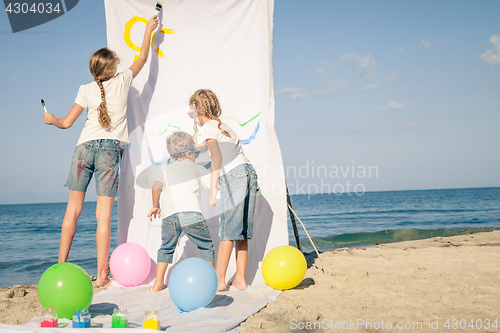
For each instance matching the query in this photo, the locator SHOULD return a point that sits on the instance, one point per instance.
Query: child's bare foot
(101, 282)
(222, 285)
(158, 287)
(240, 284)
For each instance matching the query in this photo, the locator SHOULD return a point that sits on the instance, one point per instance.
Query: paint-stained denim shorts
(237, 202)
(194, 226)
(99, 157)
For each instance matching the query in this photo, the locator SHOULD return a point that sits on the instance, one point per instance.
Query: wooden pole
(292, 217)
(303, 226)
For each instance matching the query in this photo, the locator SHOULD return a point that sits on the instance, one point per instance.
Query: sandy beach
(421, 286)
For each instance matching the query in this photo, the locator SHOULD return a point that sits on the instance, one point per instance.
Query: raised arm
(143, 56)
(64, 122)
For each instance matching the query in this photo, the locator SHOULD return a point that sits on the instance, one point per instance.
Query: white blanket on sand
(227, 310)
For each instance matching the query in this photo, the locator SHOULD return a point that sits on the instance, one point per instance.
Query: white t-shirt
(89, 97)
(230, 147)
(182, 182)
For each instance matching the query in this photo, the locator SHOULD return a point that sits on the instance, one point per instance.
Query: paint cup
(152, 320)
(81, 319)
(119, 318)
(49, 318)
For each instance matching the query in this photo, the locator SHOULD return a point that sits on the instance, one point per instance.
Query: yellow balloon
(284, 267)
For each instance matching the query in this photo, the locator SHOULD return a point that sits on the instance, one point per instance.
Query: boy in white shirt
(180, 205)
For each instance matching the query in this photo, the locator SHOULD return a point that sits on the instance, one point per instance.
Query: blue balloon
(192, 284)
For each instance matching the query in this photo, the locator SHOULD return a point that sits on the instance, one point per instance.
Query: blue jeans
(237, 202)
(194, 226)
(96, 156)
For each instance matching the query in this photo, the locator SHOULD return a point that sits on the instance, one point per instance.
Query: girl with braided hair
(235, 176)
(98, 147)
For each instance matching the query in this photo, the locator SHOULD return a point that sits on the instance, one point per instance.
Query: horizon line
(308, 194)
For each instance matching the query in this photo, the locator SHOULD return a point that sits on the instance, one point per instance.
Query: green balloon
(66, 287)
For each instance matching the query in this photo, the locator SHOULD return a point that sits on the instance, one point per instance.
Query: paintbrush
(158, 10)
(44, 108)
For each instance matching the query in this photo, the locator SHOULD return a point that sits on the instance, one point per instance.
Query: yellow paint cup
(152, 320)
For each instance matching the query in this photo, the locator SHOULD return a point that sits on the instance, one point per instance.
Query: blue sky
(408, 90)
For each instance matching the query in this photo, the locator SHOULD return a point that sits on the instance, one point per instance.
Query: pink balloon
(130, 264)
(152, 273)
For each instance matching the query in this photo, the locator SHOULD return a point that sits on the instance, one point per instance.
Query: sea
(29, 238)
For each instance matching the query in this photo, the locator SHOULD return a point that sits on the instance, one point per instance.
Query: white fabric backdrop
(225, 46)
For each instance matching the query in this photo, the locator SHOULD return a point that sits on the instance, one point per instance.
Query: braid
(104, 118)
(226, 133)
(102, 66)
(212, 107)
(216, 105)
(196, 132)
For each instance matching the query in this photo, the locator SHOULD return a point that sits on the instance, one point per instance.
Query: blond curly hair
(205, 100)
(177, 142)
